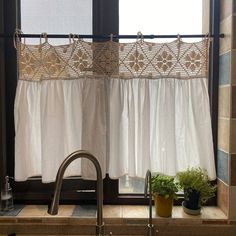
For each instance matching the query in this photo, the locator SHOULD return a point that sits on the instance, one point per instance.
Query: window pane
(160, 17)
(56, 17)
(131, 185)
(157, 17)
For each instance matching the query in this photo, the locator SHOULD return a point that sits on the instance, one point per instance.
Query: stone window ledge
(114, 214)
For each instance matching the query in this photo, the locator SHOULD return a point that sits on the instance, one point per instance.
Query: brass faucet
(53, 208)
(148, 185)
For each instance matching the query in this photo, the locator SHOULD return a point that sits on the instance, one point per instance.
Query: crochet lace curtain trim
(140, 59)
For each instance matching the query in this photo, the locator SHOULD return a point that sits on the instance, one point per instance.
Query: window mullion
(105, 17)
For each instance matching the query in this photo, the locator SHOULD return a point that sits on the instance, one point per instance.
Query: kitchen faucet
(53, 209)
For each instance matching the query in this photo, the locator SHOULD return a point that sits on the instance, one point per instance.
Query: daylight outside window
(158, 18)
(56, 17)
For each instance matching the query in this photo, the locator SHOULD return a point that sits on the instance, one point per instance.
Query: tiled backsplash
(227, 110)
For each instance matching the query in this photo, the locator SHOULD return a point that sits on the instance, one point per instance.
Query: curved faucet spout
(53, 209)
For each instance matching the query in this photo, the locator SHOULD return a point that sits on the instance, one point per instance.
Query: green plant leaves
(196, 179)
(193, 179)
(164, 186)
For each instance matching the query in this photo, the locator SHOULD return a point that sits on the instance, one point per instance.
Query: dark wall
(2, 99)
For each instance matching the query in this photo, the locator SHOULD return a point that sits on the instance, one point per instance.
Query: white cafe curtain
(135, 106)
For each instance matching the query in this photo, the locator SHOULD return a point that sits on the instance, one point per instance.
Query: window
(101, 17)
(160, 17)
(156, 17)
(53, 17)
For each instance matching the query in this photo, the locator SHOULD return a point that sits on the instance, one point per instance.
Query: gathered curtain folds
(135, 106)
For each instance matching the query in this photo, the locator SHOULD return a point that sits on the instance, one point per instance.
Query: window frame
(105, 21)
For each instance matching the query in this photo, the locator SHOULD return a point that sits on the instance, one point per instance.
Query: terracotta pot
(163, 205)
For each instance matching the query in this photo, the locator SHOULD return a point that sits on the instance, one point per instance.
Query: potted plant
(164, 190)
(197, 189)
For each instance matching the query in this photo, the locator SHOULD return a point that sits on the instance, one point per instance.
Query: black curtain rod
(87, 36)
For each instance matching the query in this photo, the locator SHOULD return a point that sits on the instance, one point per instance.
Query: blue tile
(224, 69)
(85, 211)
(14, 212)
(223, 166)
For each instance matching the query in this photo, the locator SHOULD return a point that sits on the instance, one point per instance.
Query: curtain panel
(135, 106)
